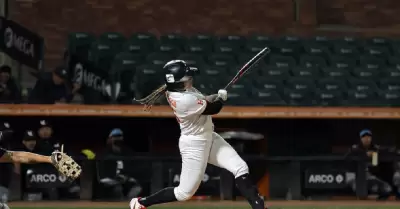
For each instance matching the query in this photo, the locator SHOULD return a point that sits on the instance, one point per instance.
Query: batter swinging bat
(248, 66)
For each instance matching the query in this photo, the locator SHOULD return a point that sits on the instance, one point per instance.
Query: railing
(294, 176)
(228, 111)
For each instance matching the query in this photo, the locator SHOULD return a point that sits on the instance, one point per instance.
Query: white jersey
(188, 106)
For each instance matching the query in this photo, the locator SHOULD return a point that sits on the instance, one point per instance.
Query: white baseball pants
(196, 152)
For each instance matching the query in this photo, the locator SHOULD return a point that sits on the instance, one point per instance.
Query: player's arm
(191, 105)
(212, 97)
(23, 157)
(214, 105)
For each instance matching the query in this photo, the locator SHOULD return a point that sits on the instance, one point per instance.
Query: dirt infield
(201, 203)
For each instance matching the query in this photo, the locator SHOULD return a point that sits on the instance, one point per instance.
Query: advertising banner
(45, 177)
(324, 179)
(21, 44)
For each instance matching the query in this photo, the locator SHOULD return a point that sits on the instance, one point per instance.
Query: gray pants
(374, 185)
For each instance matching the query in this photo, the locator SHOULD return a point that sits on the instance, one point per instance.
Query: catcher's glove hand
(66, 165)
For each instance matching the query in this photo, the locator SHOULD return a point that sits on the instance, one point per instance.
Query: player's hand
(223, 94)
(369, 153)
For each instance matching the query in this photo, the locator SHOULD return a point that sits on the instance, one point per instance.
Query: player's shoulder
(184, 97)
(186, 101)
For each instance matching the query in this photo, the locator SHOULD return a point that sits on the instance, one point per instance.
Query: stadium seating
(316, 71)
(80, 43)
(114, 39)
(267, 98)
(329, 97)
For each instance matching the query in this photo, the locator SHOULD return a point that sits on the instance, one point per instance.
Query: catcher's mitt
(66, 165)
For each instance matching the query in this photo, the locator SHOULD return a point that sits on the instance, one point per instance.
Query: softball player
(22, 157)
(198, 143)
(16, 156)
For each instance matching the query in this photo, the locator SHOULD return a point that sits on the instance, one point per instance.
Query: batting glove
(223, 94)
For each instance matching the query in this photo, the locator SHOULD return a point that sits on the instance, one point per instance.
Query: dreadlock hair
(149, 101)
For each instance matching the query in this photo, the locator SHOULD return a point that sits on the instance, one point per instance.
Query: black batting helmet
(176, 72)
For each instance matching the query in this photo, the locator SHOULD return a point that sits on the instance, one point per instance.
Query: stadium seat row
(318, 51)
(224, 43)
(292, 97)
(251, 88)
(220, 59)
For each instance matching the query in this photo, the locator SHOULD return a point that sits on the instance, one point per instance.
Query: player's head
(5, 73)
(29, 140)
(178, 76)
(45, 131)
(366, 137)
(116, 139)
(6, 134)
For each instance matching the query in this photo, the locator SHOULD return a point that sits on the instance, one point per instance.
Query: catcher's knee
(182, 195)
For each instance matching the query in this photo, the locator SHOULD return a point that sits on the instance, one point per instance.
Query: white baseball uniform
(199, 144)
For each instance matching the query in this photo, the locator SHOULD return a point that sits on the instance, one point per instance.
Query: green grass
(225, 207)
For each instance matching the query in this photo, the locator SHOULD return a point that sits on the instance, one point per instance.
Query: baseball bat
(246, 67)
